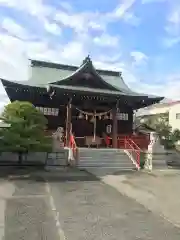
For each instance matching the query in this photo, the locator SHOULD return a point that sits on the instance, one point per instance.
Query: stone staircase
(173, 159)
(104, 161)
(160, 157)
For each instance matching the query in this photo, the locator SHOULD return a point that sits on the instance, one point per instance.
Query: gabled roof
(86, 70)
(71, 68)
(62, 71)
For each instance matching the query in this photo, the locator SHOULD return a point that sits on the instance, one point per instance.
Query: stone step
(104, 163)
(104, 160)
(103, 156)
(107, 168)
(101, 153)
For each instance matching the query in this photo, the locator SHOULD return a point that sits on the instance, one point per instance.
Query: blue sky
(141, 38)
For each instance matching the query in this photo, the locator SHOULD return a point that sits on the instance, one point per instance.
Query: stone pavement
(25, 213)
(158, 191)
(89, 209)
(74, 205)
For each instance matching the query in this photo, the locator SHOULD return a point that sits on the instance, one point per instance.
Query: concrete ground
(74, 205)
(158, 191)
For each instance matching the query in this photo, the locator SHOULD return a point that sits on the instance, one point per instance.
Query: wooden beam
(114, 128)
(68, 123)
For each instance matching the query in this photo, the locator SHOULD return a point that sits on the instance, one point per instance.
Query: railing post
(133, 150)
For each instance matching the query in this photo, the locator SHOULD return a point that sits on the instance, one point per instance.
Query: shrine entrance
(91, 128)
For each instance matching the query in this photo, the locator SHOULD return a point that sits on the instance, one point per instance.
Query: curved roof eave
(7, 83)
(24, 83)
(149, 99)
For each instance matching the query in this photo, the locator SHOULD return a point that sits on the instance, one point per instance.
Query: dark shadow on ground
(174, 164)
(39, 174)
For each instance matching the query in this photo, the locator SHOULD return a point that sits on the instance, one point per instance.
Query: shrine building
(83, 100)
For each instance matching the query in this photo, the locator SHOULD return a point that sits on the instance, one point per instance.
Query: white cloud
(14, 54)
(124, 11)
(12, 58)
(171, 41)
(73, 52)
(52, 28)
(14, 29)
(75, 21)
(110, 58)
(35, 7)
(172, 27)
(97, 25)
(118, 66)
(66, 6)
(152, 1)
(66, 16)
(81, 22)
(124, 7)
(174, 21)
(139, 58)
(167, 89)
(131, 19)
(106, 40)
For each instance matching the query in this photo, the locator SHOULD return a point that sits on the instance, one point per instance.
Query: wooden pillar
(68, 123)
(114, 128)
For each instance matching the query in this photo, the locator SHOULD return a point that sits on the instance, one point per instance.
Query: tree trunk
(20, 158)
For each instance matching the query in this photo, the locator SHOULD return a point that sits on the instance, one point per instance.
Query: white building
(171, 108)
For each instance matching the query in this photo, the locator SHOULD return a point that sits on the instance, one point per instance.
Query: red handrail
(142, 141)
(133, 149)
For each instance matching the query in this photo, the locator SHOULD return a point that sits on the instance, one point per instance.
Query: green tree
(163, 128)
(167, 136)
(26, 132)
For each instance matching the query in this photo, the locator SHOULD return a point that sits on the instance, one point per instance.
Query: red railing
(142, 141)
(133, 149)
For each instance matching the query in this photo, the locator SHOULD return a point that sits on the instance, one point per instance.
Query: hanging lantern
(86, 117)
(80, 116)
(100, 117)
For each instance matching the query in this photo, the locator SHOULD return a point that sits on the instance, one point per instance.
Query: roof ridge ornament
(87, 59)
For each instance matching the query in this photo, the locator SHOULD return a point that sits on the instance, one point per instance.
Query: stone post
(149, 153)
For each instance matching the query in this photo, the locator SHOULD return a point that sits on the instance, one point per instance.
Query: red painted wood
(142, 141)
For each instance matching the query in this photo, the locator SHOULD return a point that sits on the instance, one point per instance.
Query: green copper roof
(45, 72)
(71, 68)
